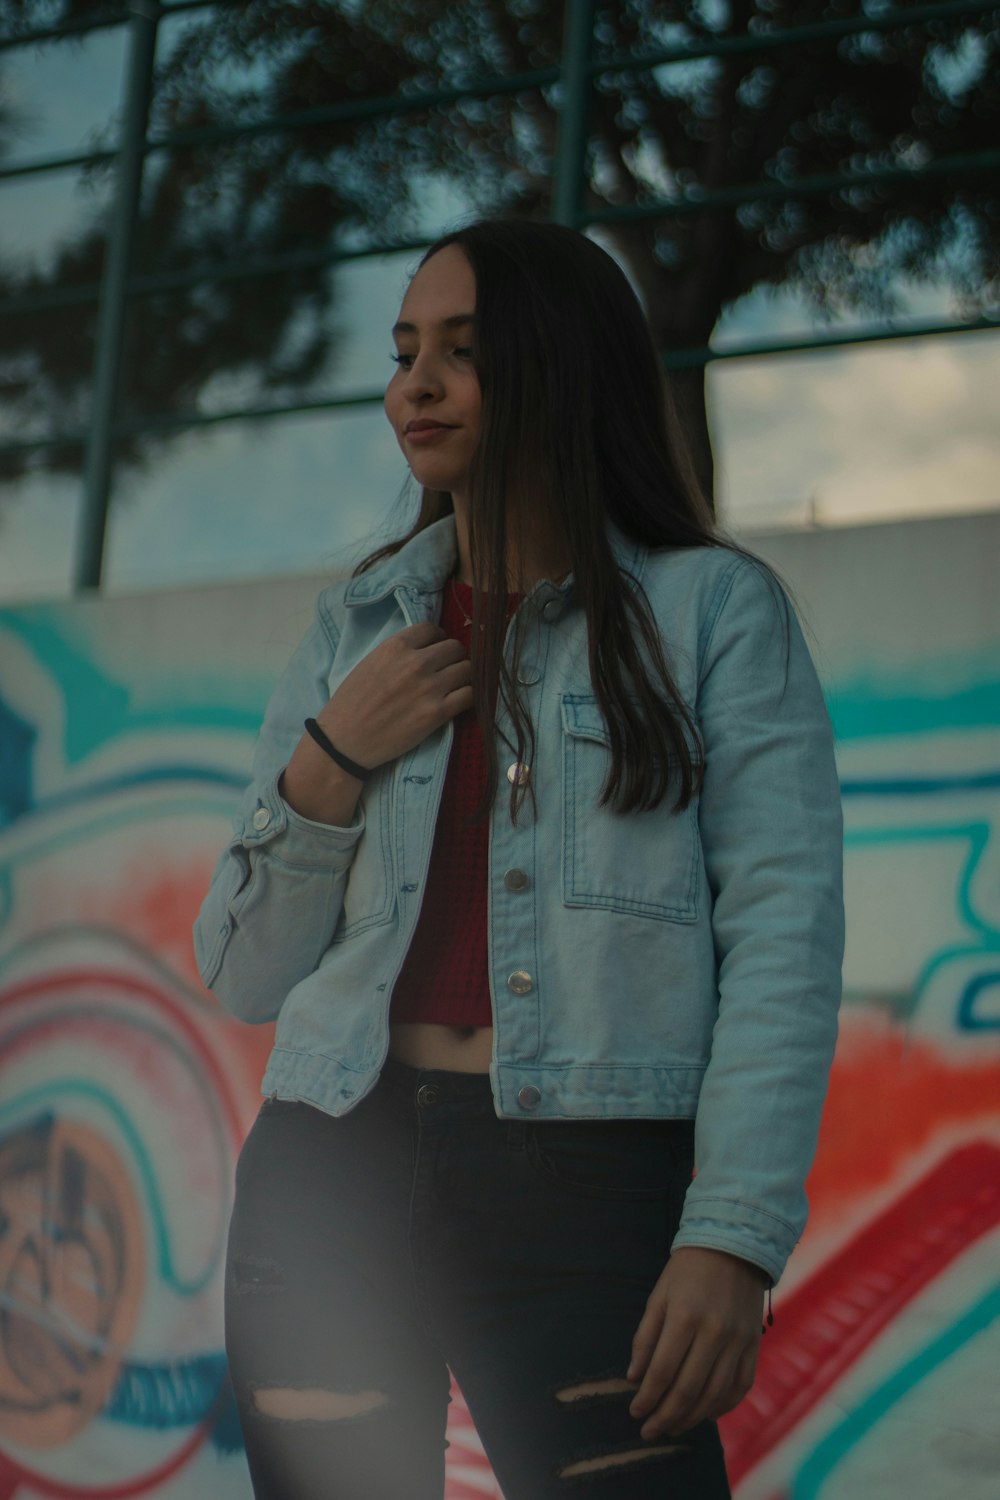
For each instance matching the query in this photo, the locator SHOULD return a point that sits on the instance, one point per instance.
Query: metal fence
(576, 75)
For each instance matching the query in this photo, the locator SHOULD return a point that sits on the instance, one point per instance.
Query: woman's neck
(536, 560)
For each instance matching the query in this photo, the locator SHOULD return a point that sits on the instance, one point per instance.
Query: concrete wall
(125, 731)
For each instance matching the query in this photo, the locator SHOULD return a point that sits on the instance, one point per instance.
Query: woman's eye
(405, 361)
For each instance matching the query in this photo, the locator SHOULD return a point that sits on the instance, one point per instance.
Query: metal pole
(98, 464)
(571, 151)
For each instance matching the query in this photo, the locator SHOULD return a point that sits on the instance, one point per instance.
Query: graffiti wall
(125, 732)
(878, 1381)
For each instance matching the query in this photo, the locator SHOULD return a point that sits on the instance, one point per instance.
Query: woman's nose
(423, 375)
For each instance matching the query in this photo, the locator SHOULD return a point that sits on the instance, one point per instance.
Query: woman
(545, 898)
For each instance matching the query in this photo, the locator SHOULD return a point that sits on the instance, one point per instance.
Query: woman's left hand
(695, 1350)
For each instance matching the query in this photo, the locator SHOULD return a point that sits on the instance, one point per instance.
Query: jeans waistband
(404, 1081)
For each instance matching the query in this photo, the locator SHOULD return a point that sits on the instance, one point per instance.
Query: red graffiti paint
(108, 981)
(468, 1475)
(148, 1483)
(890, 1097)
(835, 1314)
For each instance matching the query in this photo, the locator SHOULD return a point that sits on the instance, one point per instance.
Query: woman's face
(433, 401)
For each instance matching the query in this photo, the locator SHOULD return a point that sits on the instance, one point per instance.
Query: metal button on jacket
(518, 773)
(427, 1094)
(519, 982)
(528, 676)
(551, 610)
(515, 880)
(529, 1097)
(261, 818)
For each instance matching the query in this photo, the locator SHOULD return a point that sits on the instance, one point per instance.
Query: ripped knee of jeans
(601, 1389)
(620, 1460)
(588, 1390)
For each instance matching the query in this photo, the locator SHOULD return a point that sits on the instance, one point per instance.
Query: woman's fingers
(454, 675)
(646, 1336)
(743, 1376)
(405, 688)
(424, 633)
(676, 1412)
(441, 654)
(710, 1381)
(391, 701)
(660, 1348)
(678, 1373)
(720, 1392)
(695, 1347)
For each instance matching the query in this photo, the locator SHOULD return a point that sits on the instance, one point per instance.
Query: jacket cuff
(740, 1229)
(267, 820)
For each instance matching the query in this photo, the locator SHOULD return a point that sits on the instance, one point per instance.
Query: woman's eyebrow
(455, 321)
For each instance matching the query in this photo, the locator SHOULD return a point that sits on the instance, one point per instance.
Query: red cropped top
(444, 977)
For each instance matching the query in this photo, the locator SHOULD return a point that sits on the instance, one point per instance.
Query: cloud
(37, 539)
(874, 432)
(962, 475)
(292, 494)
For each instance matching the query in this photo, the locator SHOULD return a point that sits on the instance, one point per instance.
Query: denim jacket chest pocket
(643, 863)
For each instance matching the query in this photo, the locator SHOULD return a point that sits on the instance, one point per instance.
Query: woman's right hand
(396, 696)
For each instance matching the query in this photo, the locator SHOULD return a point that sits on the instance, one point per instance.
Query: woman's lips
(426, 434)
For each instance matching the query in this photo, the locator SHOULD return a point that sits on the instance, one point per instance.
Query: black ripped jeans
(367, 1254)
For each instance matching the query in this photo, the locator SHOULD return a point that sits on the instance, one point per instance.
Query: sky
(850, 436)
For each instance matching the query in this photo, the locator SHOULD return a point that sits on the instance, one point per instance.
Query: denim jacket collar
(427, 561)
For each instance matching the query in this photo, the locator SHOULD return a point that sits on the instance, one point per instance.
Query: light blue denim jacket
(652, 964)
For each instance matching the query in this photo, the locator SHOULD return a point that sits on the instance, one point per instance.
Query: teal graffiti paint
(846, 1436)
(100, 710)
(955, 692)
(977, 835)
(969, 1018)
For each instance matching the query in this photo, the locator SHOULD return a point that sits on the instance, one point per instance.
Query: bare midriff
(428, 1044)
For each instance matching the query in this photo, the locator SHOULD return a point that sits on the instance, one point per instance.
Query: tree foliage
(900, 98)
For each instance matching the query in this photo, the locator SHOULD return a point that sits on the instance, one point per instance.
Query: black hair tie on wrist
(350, 766)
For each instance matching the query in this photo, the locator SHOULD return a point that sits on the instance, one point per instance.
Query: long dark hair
(577, 424)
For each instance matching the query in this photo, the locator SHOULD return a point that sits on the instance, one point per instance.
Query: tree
(870, 101)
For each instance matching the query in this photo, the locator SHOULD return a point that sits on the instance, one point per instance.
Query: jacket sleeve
(772, 837)
(277, 891)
